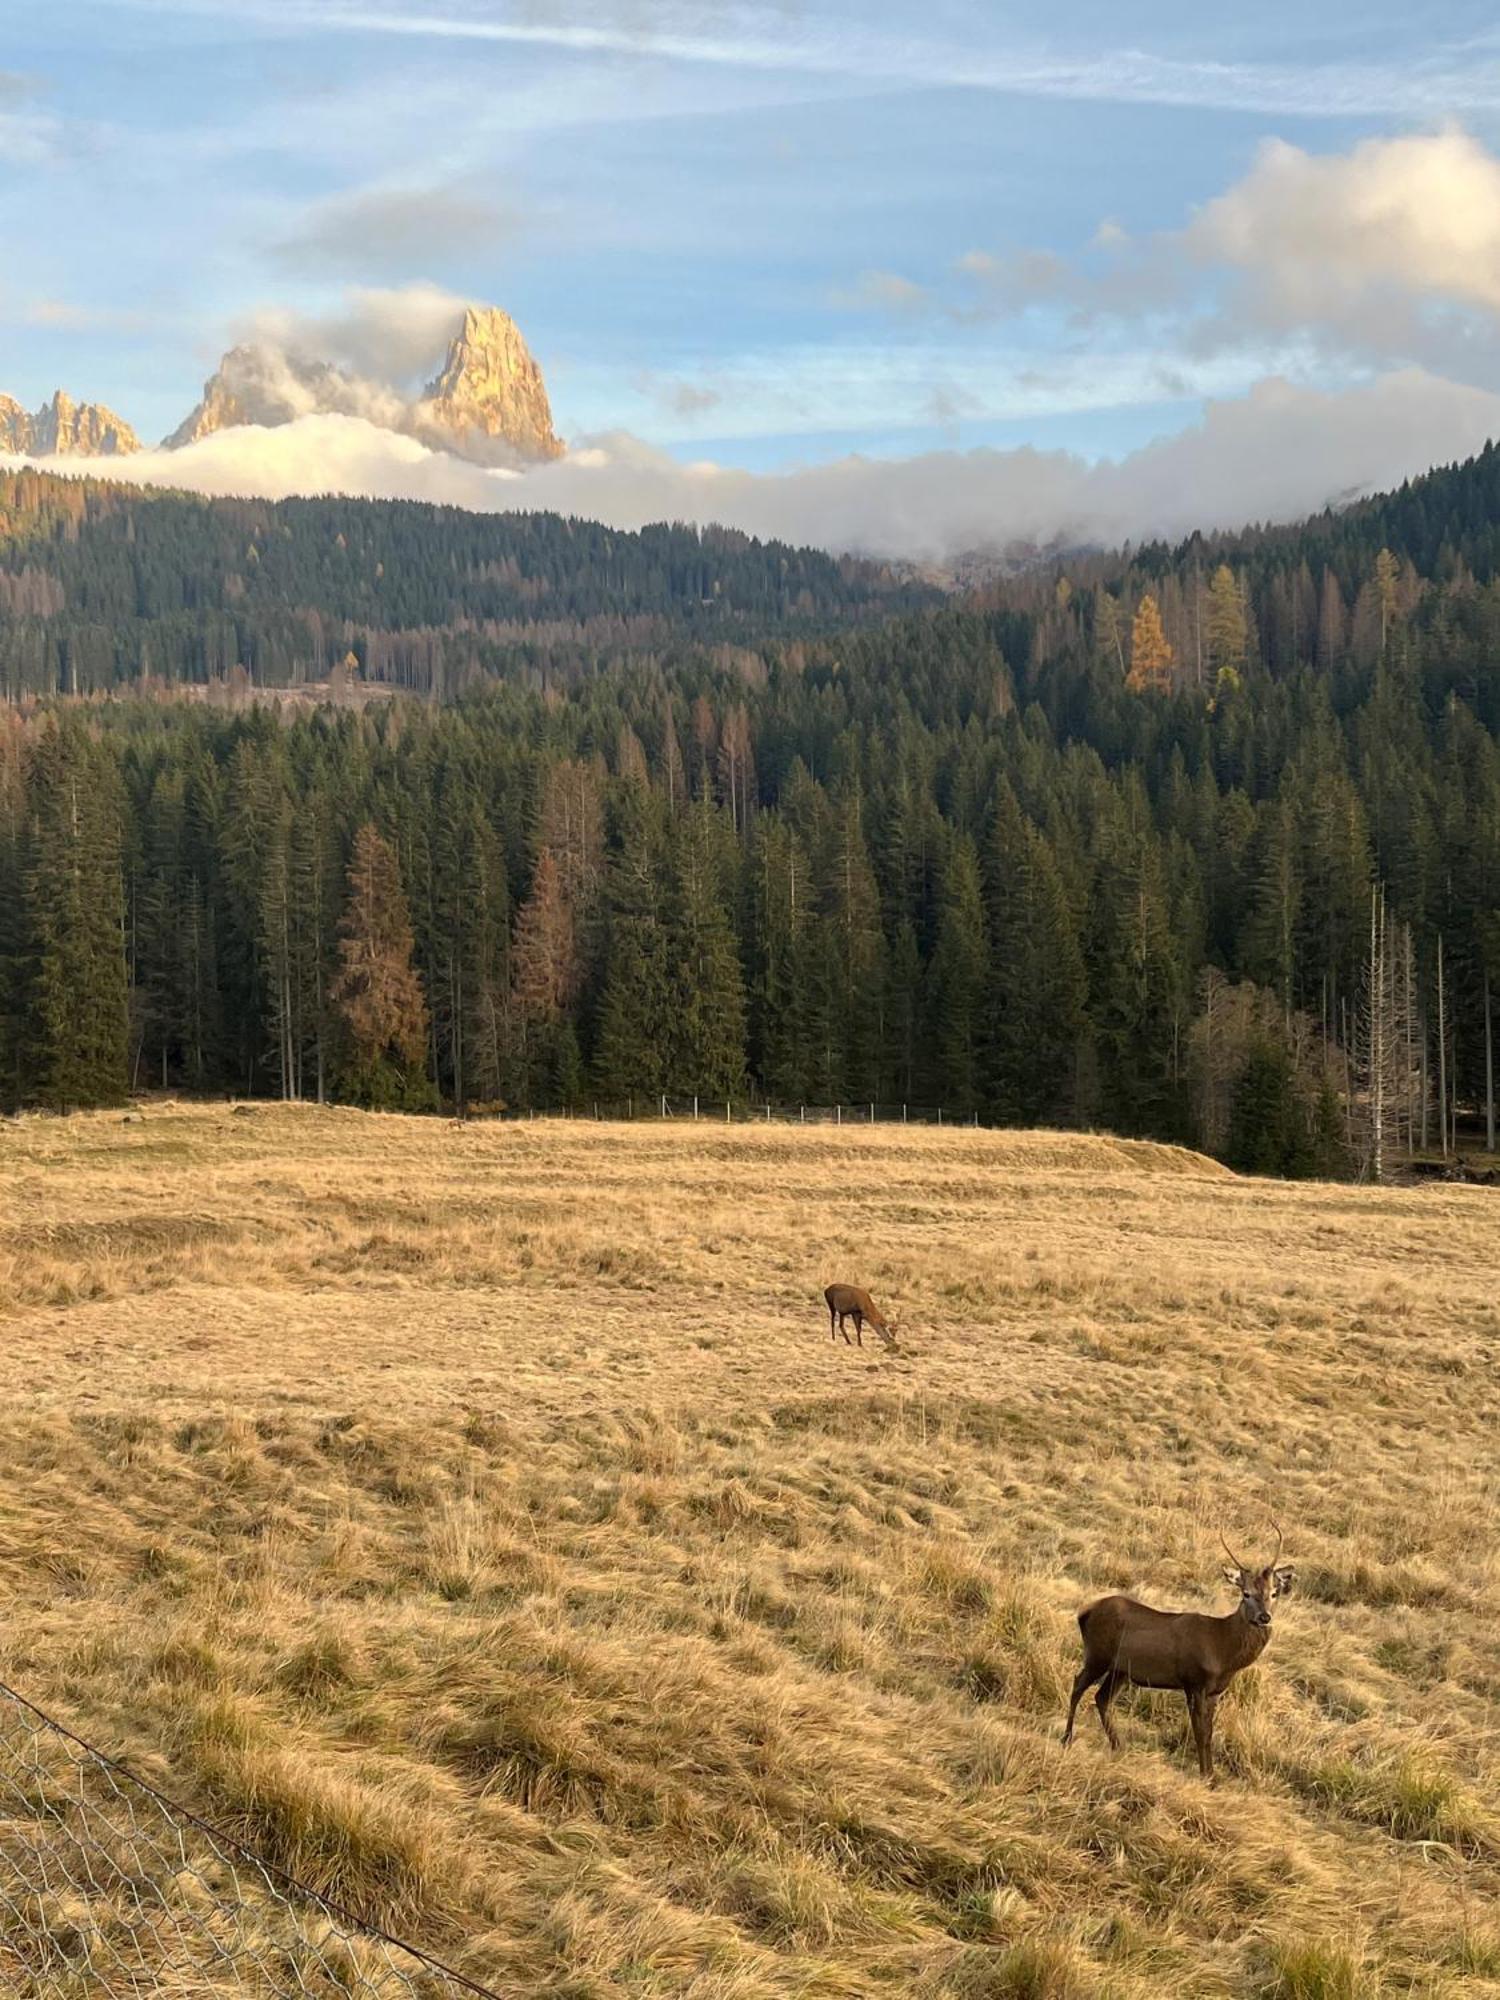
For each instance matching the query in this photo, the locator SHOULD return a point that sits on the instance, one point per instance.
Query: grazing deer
(1126, 1643)
(849, 1302)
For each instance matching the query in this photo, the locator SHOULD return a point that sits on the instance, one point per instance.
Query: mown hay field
(480, 1520)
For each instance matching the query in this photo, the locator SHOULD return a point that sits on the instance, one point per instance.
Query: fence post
(727, 1119)
(695, 1105)
(872, 1114)
(940, 1114)
(903, 1114)
(768, 1110)
(630, 1107)
(802, 1113)
(838, 1114)
(664, 1104)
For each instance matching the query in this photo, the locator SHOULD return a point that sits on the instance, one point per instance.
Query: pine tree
(1035, 1002)
(789, 1002)
(959, 979)
(853, 952)
(377, 991)
(1268, 1132)
(708, 1000)
(76, 1038)
(633, 1053)
(544, 980)
(1227, 628)
(13, 961)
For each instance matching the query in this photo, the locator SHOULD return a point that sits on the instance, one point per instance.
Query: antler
(1229, 1551)
(1279, 1540)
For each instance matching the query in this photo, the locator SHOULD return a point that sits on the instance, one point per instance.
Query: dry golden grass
(481, 1520)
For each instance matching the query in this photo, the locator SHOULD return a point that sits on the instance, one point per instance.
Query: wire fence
(747, 1112)
(110, 1888)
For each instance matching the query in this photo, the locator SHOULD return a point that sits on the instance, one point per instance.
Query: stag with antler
(1129, 1644)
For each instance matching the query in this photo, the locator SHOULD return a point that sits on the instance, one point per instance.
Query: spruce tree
(377, 992)
(76, 1032)
(959, 979)
(708, 1000)
(1034, 1014)
(634, 1051)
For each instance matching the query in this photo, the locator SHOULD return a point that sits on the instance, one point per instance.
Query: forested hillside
(102, 584)
(1104, 848)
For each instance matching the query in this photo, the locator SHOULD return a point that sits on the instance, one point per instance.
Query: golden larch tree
(1150, 653)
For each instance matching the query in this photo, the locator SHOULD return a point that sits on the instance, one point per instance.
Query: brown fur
(849, 1302)
(1130, 1644)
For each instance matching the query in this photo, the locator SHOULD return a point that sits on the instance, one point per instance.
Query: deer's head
(1259, 1588)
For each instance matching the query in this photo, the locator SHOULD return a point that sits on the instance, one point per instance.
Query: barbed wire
(108, 1886)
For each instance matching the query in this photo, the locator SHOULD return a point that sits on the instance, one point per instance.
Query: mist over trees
(1098, 845)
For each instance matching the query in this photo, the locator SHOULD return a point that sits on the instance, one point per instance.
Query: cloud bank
(1276, 454)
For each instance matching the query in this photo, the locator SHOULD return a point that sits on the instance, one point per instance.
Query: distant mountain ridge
(64, 429)
(487, 402)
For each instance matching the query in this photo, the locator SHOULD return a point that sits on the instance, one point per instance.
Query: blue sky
(765, 235)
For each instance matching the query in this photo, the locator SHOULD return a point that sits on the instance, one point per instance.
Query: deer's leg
(1201, 1715)
(1087, 1675)
(859, 1326)
(844, 1330)
(833, 1332)
(1109, 1687)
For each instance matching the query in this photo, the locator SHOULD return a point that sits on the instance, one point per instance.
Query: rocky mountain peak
(488, 402)
(490, 389)
(63, 428)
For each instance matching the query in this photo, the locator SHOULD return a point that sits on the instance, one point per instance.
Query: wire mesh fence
(109, 1888)
(748, 1112)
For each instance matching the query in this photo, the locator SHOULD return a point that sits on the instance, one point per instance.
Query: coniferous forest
(411, 807)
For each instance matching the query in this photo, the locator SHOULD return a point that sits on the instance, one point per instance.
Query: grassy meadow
(480, 1520)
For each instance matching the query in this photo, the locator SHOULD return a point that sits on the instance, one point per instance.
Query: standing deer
(849, 1302)
(1126, 1643)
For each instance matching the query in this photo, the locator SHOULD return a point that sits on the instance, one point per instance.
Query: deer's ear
(1235, 1579)
(1286, 1576)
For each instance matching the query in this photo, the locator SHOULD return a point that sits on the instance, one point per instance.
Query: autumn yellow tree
(1150, 653)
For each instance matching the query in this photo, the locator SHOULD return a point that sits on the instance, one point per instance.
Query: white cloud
(1389, 252)
(390, 336)
(1323, 239)
(802, 40)
(1278, 453)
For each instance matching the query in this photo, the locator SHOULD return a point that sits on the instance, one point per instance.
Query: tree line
(102, 585)
(1016, 859)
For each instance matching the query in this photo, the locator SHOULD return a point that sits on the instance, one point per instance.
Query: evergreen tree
(635, 1048)
(789, 1001)
(377, 991)
(76, 1020)
(544, 981)
(708, 1002)
(959, 981)
(1268, 1132)
(1035, 1006)
(853, 953)
(1226, 626)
